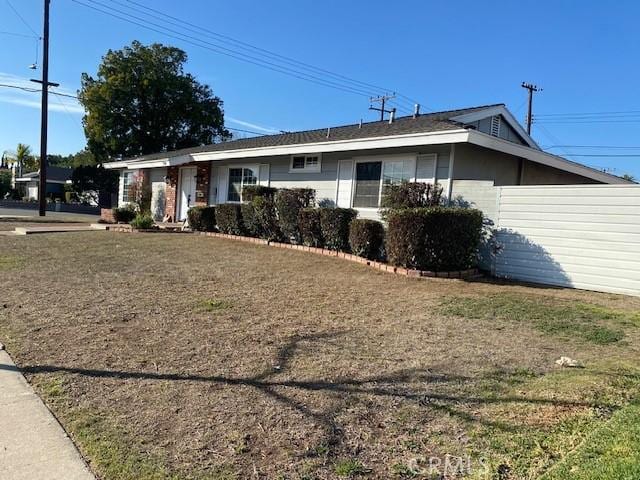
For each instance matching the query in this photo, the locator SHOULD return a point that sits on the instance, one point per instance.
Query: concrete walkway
(33, 445)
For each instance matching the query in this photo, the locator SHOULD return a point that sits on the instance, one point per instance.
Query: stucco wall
(476, 163)
(536, 174)
(325, 182)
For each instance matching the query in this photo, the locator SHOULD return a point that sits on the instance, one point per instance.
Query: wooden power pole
(382, 99)
(532, 88)
(42, 193)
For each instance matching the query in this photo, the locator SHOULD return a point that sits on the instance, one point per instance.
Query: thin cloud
(30, 99)
(251, 125)
(54, 107)
(23, 82)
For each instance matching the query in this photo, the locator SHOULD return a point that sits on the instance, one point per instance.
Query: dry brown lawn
(180, 356)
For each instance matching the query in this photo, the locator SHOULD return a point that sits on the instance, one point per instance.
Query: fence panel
(581, 236)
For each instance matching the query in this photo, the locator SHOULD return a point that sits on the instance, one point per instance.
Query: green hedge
(260, 219)
(229, 219)
(366, 238)
(202, 218)
(309, 225)
(249, 192)
(410, 195)
(288, 203)
(143, 221)
(334, 224)
(438, 238)
(124, 214)
(250, 220)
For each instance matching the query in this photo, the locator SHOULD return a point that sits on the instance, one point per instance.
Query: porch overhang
(134, 164)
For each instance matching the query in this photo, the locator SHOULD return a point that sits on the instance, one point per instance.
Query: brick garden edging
(384, 267)
(463, 274)
(125, 228)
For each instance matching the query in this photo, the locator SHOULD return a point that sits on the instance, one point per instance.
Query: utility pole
(42, 193)
(382, 99)
(532, 88)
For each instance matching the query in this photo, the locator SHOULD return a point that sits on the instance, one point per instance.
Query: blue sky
(445, 54)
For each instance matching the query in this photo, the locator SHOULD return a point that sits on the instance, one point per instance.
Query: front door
(187, 190)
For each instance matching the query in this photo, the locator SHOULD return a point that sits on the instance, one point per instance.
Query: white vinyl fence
(581, 236)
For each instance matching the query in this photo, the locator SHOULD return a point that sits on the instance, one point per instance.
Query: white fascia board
(135, 164)
(115, 165)
(409, 140)
(160, 162)
(498, 110)
(538, 156)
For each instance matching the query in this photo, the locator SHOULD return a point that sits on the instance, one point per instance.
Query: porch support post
(171, 192)
(202, 183)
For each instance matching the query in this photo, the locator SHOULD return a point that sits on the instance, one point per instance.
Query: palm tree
(23, 157)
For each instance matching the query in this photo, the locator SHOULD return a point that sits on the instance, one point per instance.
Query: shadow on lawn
(400, 385)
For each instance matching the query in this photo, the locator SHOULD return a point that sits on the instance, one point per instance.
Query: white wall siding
(426, 168)
(345, 183)
(158, 191)
(480, 194)
(582, 236)
(323, 182)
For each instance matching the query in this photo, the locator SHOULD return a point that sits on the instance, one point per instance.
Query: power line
(262, 134)
(587, 113)
(21, 18)
(612, 155)
(593, 146)
(573, 122)
(37, 90)
(220, 50)
(247, 46)
(23, 35)
(244, 45)
(335, 80)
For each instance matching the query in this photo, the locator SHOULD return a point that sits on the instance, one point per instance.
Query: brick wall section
(171, 191)
(106, 214)
(202, 183)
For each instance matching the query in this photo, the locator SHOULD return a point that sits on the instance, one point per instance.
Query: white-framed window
(239, 177)
(372, 177)
(127, 181)
(305, 163)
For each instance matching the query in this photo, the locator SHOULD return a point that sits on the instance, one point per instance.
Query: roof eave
(539, 156)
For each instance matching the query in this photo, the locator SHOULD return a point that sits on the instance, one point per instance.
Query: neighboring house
(467, 151)
(57, 177)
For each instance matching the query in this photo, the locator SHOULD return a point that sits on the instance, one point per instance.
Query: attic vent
(495, 125)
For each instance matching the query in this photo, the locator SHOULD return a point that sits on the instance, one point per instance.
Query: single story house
(467, 151)
(57, 177)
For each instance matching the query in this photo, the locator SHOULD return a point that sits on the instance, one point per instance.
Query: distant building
(57, 177)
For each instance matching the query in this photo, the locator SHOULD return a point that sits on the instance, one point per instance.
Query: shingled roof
(424, 123)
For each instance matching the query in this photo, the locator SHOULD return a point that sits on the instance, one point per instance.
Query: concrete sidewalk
(33, 445)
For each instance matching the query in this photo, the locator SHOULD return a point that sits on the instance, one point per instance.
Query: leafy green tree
(142, 102)
(82, 158)
(628, 176)
(94, 178)
(5, 182)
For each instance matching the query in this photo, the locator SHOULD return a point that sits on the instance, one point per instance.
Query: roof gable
(495, 110)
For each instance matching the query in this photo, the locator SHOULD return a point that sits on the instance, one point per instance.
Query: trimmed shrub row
(366, 238)
(229, 219)
(438, 238)
(289, 202)
(420, 234)
(202, 219)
